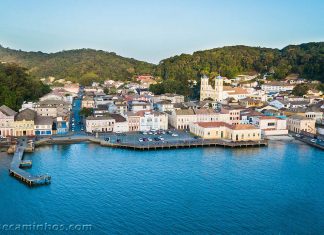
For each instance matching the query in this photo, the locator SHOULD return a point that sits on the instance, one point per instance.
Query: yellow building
(222, 130)
(298, 123)
(24, 123)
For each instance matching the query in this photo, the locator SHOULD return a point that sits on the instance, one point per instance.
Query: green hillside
(83, 65)
(306, 59)
(87, 65)
(17, 86)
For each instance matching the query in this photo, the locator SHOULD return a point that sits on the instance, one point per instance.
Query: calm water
(279, 189)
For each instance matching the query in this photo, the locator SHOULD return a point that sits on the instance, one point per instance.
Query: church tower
(218, 88)
(204, 88)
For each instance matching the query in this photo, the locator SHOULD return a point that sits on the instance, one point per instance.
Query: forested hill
(87, 65)
(17, 86)
(77, 65)
(305, 59)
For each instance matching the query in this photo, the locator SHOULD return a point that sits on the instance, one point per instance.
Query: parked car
(174, 134)
(313, 140)
(298, 135)
(140, 139)
(150, 139)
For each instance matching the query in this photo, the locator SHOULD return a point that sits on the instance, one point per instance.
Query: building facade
(7, 119)
(298, 123)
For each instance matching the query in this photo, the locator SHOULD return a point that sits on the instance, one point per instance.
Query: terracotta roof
(213, 124)
(220, 124)
(235, 90)
(243, 127)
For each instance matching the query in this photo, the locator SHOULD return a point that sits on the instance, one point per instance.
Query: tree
(17, 86)
(86, 112)
(300, 90)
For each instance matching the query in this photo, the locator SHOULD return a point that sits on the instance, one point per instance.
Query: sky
(152, 30)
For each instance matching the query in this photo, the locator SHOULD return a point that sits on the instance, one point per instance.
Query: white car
(118, 132)
(297, 135)
(144, 133)
(149, 139)
(150, 133)
(161, 138)
(313, 140)
(140, 140)
(174, 134)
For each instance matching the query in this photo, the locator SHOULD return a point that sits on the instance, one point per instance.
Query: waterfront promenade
(131, 142)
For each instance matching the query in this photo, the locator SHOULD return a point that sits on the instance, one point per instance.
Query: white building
(277, 87)
(100, 124)
(121, 123)
(7, 118)
(152, 120)
(272, 125)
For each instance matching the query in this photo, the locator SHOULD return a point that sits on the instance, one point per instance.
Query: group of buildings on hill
(224, 111)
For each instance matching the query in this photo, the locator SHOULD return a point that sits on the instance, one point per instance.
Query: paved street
(77, 124)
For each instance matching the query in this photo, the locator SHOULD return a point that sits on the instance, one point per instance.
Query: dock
(18, 162)
(157, 145)
(187, 144)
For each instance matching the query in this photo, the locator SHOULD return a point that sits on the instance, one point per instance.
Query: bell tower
(219, 88)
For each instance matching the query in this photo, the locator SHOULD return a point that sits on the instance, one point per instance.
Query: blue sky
(151, 30)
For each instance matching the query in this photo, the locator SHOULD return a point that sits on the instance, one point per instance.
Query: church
(220, 92)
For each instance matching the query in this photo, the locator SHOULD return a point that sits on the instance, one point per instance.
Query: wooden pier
(18, 162)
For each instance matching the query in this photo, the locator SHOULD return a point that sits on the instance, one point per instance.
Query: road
(76, 123)
(306, 139)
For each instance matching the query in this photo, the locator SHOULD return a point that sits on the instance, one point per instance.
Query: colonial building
(272, 125)
(222, 130)
(121, 123)
(150, 120)
(181, 118)
(164, 105)
(210, 115)
(25, 122)
(298, 123)
(234, 113)
(133, 121)
(100, 124)
(53, 108)
(277, 87)
(7, 118)
(88, 102)
(43, 125)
